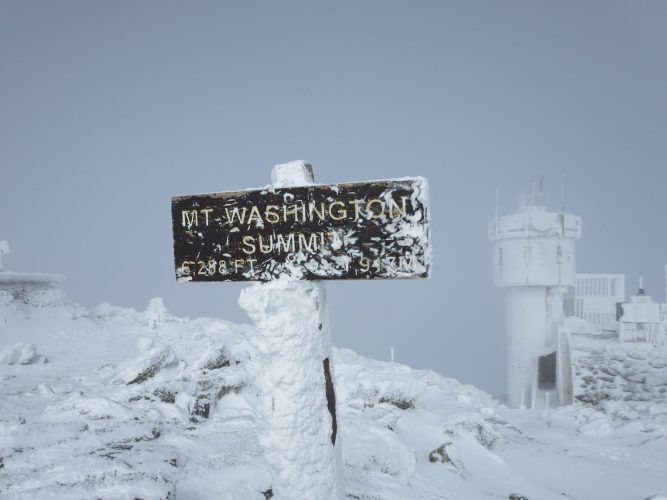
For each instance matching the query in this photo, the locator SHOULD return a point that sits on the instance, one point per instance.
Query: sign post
(289, 236)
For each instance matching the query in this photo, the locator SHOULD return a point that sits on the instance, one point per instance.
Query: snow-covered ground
(118, 404)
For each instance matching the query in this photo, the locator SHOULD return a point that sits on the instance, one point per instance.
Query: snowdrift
(117, 404)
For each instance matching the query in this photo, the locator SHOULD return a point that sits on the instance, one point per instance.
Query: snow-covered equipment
(285, 235)
(595, 298)
(22, 284)
(639, 319)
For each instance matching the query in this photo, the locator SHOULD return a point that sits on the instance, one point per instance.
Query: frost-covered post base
(296, 378)
(297, 438)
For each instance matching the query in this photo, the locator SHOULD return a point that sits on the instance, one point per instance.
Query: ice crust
(75, 428)
(288, 345)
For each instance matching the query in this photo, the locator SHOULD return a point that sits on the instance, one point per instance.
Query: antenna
(562, 205)
(539, 195)
(562, 193)
(495, 229)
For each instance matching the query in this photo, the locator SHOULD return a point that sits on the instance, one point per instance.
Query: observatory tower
(534, 258)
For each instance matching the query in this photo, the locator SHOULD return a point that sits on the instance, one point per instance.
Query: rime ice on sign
(284, 234)
(367, 230)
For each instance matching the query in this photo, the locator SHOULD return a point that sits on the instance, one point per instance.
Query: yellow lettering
(294, 210)
(235, 213)
(189, 218)
(222, 267)
(394, 209)
(206, 212)
(310, 245)
(374, 214)
(270, 214)
(357, 209)
(285, 244)
(252, 267)
(249, 244)
(342, 213)
(262, 248)
(321, 214)
(255, 216)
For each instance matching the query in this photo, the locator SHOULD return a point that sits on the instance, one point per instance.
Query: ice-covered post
(296, 376)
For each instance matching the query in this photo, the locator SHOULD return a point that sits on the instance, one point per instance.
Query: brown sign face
(364, 230)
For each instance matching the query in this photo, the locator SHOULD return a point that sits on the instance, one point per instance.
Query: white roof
(8, 277)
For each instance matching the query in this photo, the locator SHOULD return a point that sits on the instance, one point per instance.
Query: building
(559, 322)
(595, 297)
(534, 260)
(19, 284)
(639, 320)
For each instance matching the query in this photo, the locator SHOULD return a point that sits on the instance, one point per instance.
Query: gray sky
(107, 109)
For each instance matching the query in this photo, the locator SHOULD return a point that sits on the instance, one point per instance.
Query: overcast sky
(107, 109)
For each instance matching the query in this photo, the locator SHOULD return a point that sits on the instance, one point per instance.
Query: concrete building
(534, 260)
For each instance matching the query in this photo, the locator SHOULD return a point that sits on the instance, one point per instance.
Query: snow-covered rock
(147, 365)
(20, 354)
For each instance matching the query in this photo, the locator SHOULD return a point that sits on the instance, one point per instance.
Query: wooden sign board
(364, 230)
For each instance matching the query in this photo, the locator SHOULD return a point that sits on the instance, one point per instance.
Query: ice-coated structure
(534, 259)
(296, 378)
(571, 337)
(639, 319)
(595, 299)
(18, 284)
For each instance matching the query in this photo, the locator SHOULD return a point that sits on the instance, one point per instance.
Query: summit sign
(299, 230)
(365, 230)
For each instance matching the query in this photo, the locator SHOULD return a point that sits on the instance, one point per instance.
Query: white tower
(534, 257)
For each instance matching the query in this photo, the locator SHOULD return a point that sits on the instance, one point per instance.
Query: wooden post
(295, 376)
(300, 173)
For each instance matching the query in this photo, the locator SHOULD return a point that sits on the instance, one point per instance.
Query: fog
(107, 109)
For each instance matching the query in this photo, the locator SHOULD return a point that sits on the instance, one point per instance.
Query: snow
(296, 437)
(292, 173)
(20, 354)
(75, 428)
